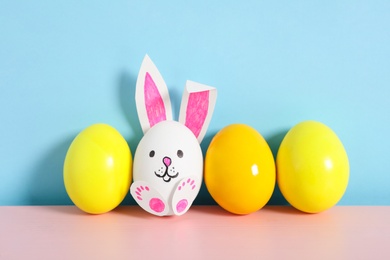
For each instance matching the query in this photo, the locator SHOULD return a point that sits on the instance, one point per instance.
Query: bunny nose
(167, 161)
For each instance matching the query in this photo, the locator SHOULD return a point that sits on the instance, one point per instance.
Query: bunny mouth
(166, 177)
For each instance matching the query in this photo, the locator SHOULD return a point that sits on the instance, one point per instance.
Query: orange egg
(239, 169)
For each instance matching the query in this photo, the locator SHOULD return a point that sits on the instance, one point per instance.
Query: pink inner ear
(154, 103)
(197, 107)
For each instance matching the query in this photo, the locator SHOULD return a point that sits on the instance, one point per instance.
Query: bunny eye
(152, 153)
(179, 153)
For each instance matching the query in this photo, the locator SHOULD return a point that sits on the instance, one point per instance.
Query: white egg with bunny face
(167, 157)
(168, 162)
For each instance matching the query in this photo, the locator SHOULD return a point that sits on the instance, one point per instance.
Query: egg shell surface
(98, 169)
(173, 140)
(239, 169)
(312, 167)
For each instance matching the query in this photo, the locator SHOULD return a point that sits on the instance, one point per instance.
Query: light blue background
(65, 65)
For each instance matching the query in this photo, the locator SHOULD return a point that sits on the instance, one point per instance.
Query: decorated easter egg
(239, 169)
(97, 169)
(168, 153)
(312, 167)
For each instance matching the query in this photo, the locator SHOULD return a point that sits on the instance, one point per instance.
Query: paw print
(189, 182)
(139, 191)
(184, 196)
(148, 198)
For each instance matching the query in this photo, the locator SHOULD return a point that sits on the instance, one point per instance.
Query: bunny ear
(197, 107)
(151, 96)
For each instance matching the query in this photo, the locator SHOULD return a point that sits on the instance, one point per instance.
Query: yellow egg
(98, 169)
(239, 169)
(312, 167)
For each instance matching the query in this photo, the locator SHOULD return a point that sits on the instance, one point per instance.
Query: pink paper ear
(151, 96)
(154, 104)
(197, 107)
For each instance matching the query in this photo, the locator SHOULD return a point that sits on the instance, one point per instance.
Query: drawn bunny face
(167, 153)
(168, 162)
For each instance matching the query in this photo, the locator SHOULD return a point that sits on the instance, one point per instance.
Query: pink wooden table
(205, 232)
